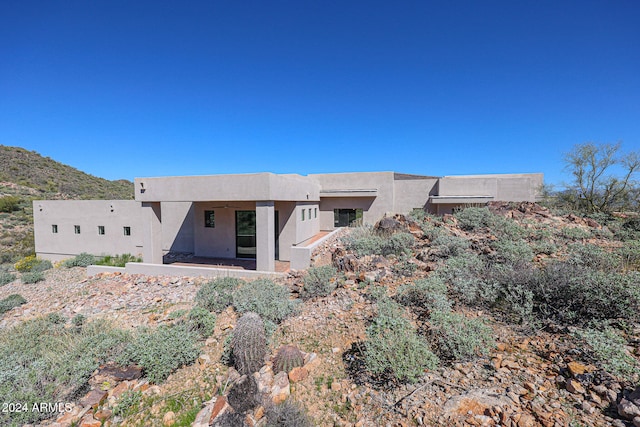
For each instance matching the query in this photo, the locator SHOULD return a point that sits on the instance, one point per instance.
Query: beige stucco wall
(410, 194)
(114, 215)
(502, 187)
(374, 207)
(177, 227)
(218, 242)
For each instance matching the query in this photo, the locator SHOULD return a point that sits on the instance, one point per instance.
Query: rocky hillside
(25, 176)
(501, 316)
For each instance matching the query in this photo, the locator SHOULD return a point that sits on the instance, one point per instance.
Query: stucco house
(264, 217)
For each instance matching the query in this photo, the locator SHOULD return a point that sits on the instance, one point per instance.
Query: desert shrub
(404, 267)
(418, 214)
(287, 414)
(464, 274)
(448, 245)
(457, 337)
(41, 361)
(82, 260)
(128, 403)
(6, 277)
(12, 301)
(473, 218)
(629, 254)
(201, 321)
(393, 349)
(592, 257)
(432, 231)
(576, 294)
(269, 300)
(425, 294)
(79, 320)
(544, 247)
(575, 233)
(364, 241)
(512, 251)
(117, 260)
(26, 263)
(248, 344)
(162, 351)
(32, 277)
(609, 348)
(217, 294)
(9, 203)
(319, 281)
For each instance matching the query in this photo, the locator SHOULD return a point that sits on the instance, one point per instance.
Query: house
(264, 217)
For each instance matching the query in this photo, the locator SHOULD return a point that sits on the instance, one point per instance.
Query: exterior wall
(218, 242)
(410, 194)
(287, 227)
(310, 226)
(177, 227)
(503, 187)
(114, 215)
(373, 207)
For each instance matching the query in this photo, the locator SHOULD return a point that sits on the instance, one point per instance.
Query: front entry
(245, 234)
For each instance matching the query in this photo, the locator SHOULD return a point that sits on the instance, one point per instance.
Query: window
(127, 231)
(54, 228)
(347, 217)
(309, 213)
(101, 230)
(315, 212)
(209, 219)
(303, 214)
(76, 229)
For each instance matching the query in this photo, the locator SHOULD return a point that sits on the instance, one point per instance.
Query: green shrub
(9, 203)
(474, 218)
(319, 281)
(592, 257)
(270, 301)
(42, 361)
(26, 263)
(457, 337)
(10, 302)
(217, 294)
(512, 252)
(629, 253)
(128, 403)
(544, 247)
(162, 351)
(610, 349)
(448, 245)
(425, 294)
(364, 241)
(117, 260)
(393, 349)
(201, 321)
(32, 277)
(82, 260)
(575, 233)
(6, 278)
(432, 231)
(464, 273)
(404, 267)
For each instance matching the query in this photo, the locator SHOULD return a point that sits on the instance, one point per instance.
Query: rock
(89, 421)
(577, 368)
(93, 399)
(220, 407)
(474, 402)
(627, 409)
(281, 389)
(103, 415)
(204, 416)
(169, 419)
(527, 420)
(574, 386)
(636, 421)
(298, 374)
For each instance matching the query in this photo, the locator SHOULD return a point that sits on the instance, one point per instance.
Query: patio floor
(232, 263)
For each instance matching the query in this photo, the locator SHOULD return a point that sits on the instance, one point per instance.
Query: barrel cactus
(287, 358)
(249, 344)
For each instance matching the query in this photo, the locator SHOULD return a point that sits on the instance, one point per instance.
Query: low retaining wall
(301, 255)
(179, 270)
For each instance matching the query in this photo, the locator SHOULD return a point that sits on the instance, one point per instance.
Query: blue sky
(124, 89)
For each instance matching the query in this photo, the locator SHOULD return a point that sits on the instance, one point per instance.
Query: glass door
(245, 234)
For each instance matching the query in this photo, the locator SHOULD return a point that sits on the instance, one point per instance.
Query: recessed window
(127, 230)
(309, 213)
(76, 229)
(54, 228)
(303, 214)
(315, 212)
(101, 230)
(209, 219)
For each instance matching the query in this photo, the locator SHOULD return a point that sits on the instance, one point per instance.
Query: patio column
(265, 236)
(152, 239)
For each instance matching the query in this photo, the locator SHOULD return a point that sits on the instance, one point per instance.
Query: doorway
(246, 234)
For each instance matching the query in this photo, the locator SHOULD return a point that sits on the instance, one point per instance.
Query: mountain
(56, 180)
(26, 176)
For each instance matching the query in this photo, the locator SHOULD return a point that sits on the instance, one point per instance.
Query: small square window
(210, 219)
(54, 228)
(76, 229)
(127, 230)
(101, 230)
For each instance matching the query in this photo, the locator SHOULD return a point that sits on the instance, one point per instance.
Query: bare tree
(602, 176)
